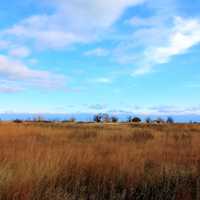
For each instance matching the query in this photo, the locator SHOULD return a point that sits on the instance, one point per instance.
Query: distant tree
(160, 120)
(105, 117)
(102, 117)
(97, 118)
(28, 120)
(38, 119)
(72, 119)
(136, 120)
(170, 120)
(129, 119)
(148, 120)
(17, 121)
(114, 119)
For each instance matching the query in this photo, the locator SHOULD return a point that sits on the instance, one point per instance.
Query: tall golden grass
(71, 161)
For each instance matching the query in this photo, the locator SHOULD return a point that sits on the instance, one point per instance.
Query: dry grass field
(69, 161)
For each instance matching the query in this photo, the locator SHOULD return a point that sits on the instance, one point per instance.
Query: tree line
(106, 118)
(103, 118)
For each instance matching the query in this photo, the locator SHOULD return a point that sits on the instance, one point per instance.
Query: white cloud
(174, 110)
(144, 22)
(20, 52)
(16, 69)
(71, 22)
(4, 44)
(45, 34)
(97, 107)
(162, 110)
(96, 13)
(33, 61)
(99, 52)
(146, 33)
(12, 69)
(103, 80)
(9, 86)
(184, 34)
(7, 89)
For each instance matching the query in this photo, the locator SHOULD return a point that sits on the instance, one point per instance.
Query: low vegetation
(96, 161)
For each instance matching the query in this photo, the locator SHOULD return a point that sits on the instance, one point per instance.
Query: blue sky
(139, 56)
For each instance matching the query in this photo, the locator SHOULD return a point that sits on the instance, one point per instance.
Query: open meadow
(91, 161)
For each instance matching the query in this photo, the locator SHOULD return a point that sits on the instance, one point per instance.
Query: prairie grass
(69, 161)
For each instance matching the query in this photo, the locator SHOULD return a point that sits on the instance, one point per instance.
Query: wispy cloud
(99, 52)
(4, 44)
(143, 22)
(174, 110)
(68, 23)
(10, 86)
(162, 110)
(10, 89)
(13, 69)
(102, 80)
(20, 52)
(66, 26)
(97, 107)
(184, 34)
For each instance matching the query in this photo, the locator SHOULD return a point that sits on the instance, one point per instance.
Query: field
(113, 161)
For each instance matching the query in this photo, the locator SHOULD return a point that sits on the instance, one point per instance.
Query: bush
(17, 121)
(136, 120)
(114, 119)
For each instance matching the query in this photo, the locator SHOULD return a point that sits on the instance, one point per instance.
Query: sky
(91, 56)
